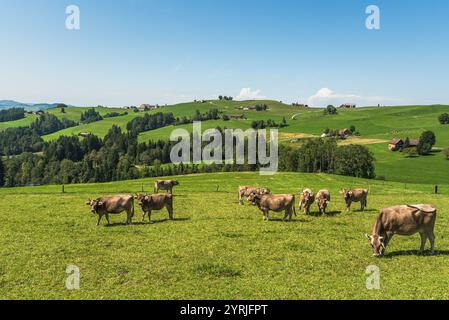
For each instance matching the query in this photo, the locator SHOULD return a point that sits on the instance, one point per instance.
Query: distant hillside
(7, 104)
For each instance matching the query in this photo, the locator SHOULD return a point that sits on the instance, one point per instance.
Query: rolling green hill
(377, 125)
(215, 248)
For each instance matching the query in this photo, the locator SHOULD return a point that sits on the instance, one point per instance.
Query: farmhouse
(84, 134)
(348, 106)
(246, 108)
(344, 133)
(37, 113)
(398, 144)
(300, 105)
(146, 107)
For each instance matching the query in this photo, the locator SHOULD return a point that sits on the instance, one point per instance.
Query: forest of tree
(90, 115)
(120, 157)
(12, 114)
(324, 156)
(15, 140)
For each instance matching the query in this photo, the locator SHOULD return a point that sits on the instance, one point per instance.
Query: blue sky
(167, 51)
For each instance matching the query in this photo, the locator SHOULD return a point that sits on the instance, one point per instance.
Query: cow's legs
(143, 215)
(129, 217)
(107, 218)
(240, 198)
(149, 216)
(431, 237)
(423, 241)
(100, 215)
(265, 215)
(170, 212)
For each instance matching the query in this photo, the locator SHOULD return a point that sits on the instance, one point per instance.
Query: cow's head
(139, 198)
(322, 203)
(378, 244)
(347, 194)
(175, 182)
(95, 205)
(142, 199)
(254, 197)
(307, 196)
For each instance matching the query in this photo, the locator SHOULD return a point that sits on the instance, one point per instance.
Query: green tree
(354, 160)
(444, 118)
(2, 173)
(407, 143)
(426, 143)
(330, 109)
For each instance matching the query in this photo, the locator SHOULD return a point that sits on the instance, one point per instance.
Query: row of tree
(120, 157)
(90, 115)
(12, 114)
(14, 141)
(262, 124)
(325, 156)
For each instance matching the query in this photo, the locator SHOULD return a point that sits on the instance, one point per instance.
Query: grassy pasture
(18, 123)
(215, 249)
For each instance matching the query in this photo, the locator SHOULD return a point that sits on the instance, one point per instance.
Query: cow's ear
(88, 202)
(99, 203)
(368, 236)
(381, 238)
(147, 198)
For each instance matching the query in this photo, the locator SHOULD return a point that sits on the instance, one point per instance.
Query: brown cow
(322, 199)
(276, 203)
(307, 198)
(112, 205)
(403, 220)
(157, 201)
(165, 185)
(245, 191)
(355, 195)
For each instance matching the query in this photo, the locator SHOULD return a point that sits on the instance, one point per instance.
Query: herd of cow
(401, 220)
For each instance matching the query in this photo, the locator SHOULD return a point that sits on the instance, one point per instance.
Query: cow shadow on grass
(146, 223)
(297, 220)
(362, 211)
(327, 214)
(416, 253)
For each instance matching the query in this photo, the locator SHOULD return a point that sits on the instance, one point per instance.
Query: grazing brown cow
(165, 185)
(322, 199)
(307, 198)
(112, 205)
(403, 220)
(245, 191)
(355, 195)
(157, 201)
(276, 203)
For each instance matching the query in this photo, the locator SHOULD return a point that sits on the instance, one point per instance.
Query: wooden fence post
(63, 189)
(436, 189)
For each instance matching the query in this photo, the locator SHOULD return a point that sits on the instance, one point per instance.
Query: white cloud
(326, 96)
(248, 94)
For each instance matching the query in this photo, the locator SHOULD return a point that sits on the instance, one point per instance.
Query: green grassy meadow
(215, 248)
